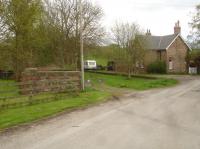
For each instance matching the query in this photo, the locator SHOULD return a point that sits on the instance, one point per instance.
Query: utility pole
(81, 46)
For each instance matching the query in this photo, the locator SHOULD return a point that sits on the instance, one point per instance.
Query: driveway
(157, 119)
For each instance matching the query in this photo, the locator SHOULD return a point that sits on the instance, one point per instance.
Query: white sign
(192, 70)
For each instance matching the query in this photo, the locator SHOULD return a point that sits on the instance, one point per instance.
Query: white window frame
(171, 65)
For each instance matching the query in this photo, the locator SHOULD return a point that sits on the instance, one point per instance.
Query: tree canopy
(131, 48)
(38, 33)
(194, 38)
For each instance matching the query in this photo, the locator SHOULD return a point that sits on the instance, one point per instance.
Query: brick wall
(37, 81)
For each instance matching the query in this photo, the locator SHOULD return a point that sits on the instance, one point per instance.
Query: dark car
(111, 66)
(6, 74)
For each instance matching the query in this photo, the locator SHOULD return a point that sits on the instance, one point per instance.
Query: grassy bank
(13, 117)
(8, 88)
(136, 83)
(27, 114)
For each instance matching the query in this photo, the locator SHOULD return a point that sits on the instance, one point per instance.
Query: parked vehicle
(6, 74)
(111, 66)
(100, 67)
(90, 65)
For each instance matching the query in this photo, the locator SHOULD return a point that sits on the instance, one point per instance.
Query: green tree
(194, 59)
(21, 18)
(194, 38)
(46, 32)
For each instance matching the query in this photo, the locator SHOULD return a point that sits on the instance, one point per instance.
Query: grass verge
(136, 83)
(13, 117)
(27, 114)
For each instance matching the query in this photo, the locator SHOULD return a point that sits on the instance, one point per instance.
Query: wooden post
(81, 46)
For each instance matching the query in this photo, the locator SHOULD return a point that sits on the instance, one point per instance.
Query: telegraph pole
(81, 46)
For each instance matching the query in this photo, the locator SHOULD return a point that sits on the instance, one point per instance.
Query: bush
(157, 67)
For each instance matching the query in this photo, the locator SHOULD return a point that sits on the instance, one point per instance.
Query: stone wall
(153, 56)
(34, 81)
(177, 53)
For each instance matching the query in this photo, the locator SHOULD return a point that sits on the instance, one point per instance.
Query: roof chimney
(177, 28)
(148, 33)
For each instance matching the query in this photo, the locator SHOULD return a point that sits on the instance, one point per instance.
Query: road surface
(157, 119)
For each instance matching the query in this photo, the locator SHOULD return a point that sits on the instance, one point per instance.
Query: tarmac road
(157, 119)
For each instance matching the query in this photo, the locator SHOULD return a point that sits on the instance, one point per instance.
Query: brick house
(171, 49)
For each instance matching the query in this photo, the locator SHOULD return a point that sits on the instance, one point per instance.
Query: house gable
(176, 55)
(179, 36)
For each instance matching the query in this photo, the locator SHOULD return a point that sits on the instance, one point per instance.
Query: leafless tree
(63, 15)
(3, 26)
(126, 36)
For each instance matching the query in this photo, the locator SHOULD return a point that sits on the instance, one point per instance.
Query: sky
(159, 16)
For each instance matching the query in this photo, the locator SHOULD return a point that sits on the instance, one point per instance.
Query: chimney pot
(177, 28)
(148, 32)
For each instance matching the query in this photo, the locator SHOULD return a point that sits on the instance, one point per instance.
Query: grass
(8, 88)
(28, 114)
(133, 83)
(13, 117)
(25, 114)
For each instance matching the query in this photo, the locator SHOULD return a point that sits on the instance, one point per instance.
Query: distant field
(133, 83)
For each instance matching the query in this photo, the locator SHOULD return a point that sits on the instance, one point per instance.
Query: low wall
(35, 81)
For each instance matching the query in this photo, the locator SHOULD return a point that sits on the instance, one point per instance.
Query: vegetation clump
(157, 67)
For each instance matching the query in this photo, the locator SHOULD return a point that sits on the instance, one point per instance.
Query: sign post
(81, 46)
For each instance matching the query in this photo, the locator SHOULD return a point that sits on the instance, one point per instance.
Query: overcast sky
(157, 15)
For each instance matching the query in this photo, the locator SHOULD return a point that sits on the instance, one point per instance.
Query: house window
(142, 65)
(159, 55)
(139, 65)
(171, 64)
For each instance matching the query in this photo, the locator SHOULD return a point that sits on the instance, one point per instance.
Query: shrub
(157, 67)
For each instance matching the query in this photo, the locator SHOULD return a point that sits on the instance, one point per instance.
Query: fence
(38, 87)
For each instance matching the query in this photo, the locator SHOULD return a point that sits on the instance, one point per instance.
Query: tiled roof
(158, 42)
